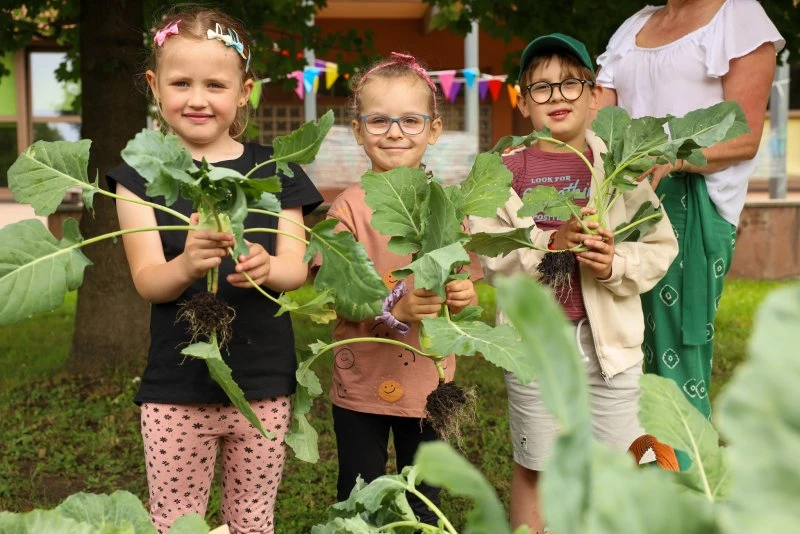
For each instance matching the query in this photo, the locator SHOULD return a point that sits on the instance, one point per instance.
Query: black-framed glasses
(410, 124)
(571, 89)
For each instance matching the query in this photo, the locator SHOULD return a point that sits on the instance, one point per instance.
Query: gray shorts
(614, 407)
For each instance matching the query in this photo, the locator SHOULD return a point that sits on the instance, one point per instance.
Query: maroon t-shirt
(566, 172)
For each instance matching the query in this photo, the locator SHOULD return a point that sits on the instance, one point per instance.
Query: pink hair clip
(402, 59)
(166, 31)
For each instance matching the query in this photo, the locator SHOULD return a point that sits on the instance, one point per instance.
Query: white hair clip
(230, 39)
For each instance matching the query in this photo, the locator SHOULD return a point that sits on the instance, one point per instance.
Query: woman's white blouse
(686, 74)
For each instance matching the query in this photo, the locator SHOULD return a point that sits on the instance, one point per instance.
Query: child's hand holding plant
(204, 250)
(460, 294)
(416, 305)
(256, 264)
(601, 251)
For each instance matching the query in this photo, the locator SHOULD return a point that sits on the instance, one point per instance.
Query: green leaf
(645, 134)
(432, 270)
(318, 309)
(487, 187)
(121, 509)
(610, 125)
(705, 127)
(350, 525)
(37, 270)
(302, 438)
(162, 161)
(501, 243)
(758, 417)
(237, 214)
(500, 345)
(546, 199)
(510, 141)
(302, 145)
(443, 222)
(41, 521)
(439, 465)
(189, 524)
(268, 202)
(346, 268)
(550, 348)
(633, 234)
(665, 413)
(42, 174)
(398, 199)
(221, 374)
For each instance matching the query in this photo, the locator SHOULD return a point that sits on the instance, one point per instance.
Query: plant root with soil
(448, 407)
(556, 270)
(206, 314)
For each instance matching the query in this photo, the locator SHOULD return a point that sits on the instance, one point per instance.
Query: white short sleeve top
(686, 74)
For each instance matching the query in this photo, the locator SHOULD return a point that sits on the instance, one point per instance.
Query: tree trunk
(111, 319)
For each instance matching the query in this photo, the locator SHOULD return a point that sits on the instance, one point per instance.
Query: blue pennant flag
(469, 76)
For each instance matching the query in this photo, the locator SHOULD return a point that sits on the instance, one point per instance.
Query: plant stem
(415, 524)
(253, 282)
(435, 509)
(396, 343)
(279, 232)
(595, 179)
(279, 216)
(262, 164)
(634, 224)
(440, 371)
(159, 207)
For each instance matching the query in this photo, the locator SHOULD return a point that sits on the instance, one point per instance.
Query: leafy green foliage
(37, 270)
(486, 187)
(87, 513)
(545, 199)
(359, 290)
(43, 173)
(302, 145)
(648, 214)
(222, 375)
(758, 417)
(500, 345)
(501, 243)
(302, 437)
(162, 161)
(317, 309)
(665, 413)
(433, 269)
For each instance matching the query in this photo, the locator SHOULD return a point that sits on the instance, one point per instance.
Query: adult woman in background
(672, 59)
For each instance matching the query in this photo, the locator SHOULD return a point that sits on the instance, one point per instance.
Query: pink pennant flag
(494, 88)
(299, 90)
(454, 88)
(483, 88)
(446, 79)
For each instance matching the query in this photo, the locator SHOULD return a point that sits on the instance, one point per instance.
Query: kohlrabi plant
(37, 270)
(633, 146)
(426, 220)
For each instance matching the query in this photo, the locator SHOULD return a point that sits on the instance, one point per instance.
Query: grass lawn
(60, 435)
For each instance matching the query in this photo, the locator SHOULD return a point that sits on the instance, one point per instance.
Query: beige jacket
(613, 306)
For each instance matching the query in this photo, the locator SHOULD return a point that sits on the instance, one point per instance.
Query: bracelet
(683, 164)
(389, 303)
(551, 243)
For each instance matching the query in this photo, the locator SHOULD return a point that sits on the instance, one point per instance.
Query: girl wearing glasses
(378, 387)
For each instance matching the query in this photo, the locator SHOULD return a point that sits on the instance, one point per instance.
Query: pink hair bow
(166, 31)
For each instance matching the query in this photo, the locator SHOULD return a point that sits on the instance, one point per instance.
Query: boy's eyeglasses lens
(379, 124)
(571, 89)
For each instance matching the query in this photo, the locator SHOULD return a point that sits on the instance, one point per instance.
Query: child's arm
(284, 271)
(156, 279)
(637, 266)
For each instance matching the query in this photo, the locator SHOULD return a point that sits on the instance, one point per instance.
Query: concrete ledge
(768, 241)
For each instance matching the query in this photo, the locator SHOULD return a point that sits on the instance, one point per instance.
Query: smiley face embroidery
(390, 391)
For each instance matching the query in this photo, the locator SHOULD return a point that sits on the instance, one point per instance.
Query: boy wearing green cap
(602, 300)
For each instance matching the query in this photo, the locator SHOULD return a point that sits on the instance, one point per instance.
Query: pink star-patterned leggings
(180, 445)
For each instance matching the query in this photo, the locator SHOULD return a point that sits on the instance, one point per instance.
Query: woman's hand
(601, 251)
(204, 250)
(256, 264)
(460, 294)
(657, 172)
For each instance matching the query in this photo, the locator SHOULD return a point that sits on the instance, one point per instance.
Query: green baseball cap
(555, 41)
